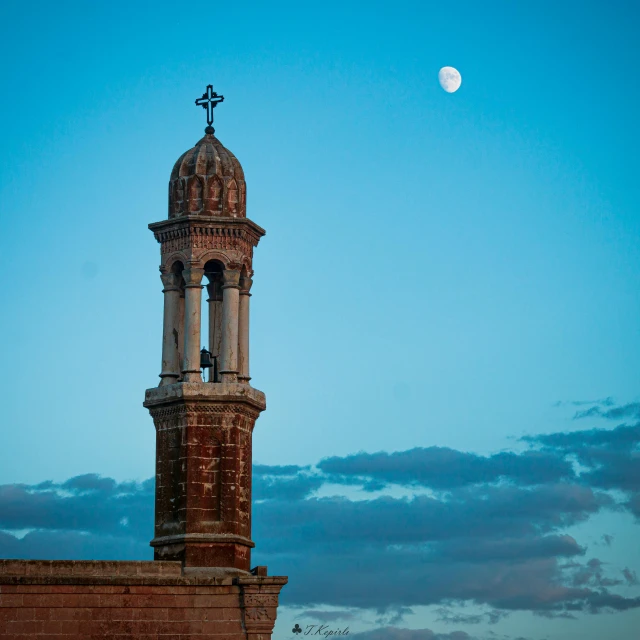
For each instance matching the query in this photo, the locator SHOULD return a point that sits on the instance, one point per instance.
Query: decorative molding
(217, 538)
(194, 238)
(182, 410)
(257, 615)
(261, 600)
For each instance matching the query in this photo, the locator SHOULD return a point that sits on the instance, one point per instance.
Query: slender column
(230, 308)
(214, 289)
(243, 330)
(181, 329)
(192, 303)
(170, 328)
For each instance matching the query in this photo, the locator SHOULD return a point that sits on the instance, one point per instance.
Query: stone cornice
(219, 538)
(206, 393)
(129, 573)
(194, 225)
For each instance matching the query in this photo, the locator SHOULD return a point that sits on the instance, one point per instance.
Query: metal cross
(209, 101)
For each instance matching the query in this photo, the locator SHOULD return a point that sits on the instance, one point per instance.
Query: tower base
(203, 472)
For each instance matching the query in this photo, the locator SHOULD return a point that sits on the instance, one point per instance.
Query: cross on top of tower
(209, 101)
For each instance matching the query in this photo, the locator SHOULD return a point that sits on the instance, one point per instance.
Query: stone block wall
(66, 600)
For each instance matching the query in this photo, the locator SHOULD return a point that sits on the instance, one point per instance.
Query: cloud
(86, 503)
(631, 410)
(480, 512)
(633, 505)
(592, 574)
(444, 468)
(407, 576)
(277, 470)
(553, 615)
(325, 616)
(622, 438)
(395, 633)
(89, 483)
(284, 486)
(610, 602)
(392, 616)
(449, 616)
(604, 402)
(610, 457)
(72, 545)
(490, 545)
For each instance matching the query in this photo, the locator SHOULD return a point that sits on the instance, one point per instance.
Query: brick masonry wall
(137, 600)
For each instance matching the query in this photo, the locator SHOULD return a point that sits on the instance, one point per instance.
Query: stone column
(192, 303)
(230, 310)
(214, 289)
(181, 328)
(243, 330)
(170, 329)
(260, 603)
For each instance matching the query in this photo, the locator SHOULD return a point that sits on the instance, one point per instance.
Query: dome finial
(209, 101)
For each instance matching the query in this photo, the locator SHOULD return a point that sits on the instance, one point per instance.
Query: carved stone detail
(261, 600)
(260, 603)
(181, 410)
(257, 615)
(206, 237)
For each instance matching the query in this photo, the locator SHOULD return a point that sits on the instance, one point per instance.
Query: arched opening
(177, 268)
(211, 328)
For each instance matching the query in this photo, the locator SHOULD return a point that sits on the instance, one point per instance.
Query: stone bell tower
(200, 584)
(204, 428)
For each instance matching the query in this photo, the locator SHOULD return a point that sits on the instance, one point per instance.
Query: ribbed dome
(207, 180)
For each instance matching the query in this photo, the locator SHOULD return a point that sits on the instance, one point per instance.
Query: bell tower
(204, 408)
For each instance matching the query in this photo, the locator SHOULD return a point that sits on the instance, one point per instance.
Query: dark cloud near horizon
(285, 486)
(324, 616)
(496, 545)
(610, 457)
(277, 470)
(44, 544)
(444, 468)
(392, 616)
(396, 633)
(87, 503)
(511, 513)
(491, 530)
(448, 616)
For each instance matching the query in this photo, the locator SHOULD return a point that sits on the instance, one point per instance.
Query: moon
(450, 79)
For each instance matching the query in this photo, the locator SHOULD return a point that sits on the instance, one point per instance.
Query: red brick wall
(141, 612)
(137, 600)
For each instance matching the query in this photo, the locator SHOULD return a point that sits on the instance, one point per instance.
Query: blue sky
(439, 270)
